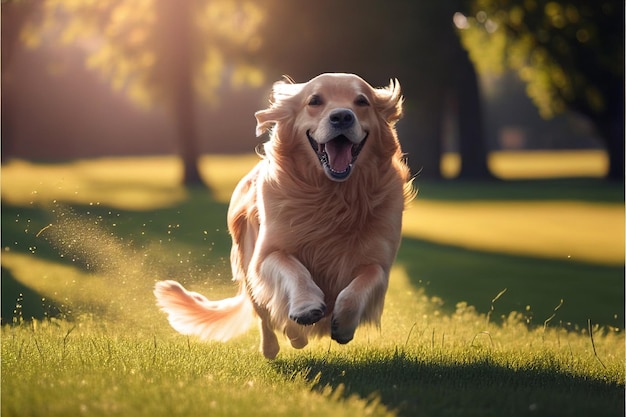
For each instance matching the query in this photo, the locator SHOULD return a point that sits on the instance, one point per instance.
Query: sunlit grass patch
(549, 164)
(536, 164)
(125, 183)
(567, 230)
(132, 183)
(151, 182)
(223, 172)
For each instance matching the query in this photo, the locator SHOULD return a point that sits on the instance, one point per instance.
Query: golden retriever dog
(316, 224)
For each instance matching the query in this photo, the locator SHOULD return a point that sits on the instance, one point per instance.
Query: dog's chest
(324, 230)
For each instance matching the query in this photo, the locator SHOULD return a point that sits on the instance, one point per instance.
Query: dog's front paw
(346, 317)
(308, 316)
(341, 334)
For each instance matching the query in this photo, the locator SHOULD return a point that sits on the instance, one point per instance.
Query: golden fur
(315, 228)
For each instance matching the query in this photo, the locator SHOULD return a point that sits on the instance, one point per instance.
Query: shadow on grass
(534, 286)
(416, 388)
(578, 189)
(196, 224)
(20, 302)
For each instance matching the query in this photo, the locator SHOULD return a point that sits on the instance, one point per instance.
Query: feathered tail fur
(191, 313)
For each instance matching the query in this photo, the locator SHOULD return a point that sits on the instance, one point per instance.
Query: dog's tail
(191, 313)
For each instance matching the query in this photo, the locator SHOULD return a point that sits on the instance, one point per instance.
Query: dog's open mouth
(337, 155)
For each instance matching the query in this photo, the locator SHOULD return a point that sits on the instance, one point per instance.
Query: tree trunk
(613, 133)
(184, 116)
(185, 120)
(421, 134)
(611, 127)
(177, 19)
(472, 147)
(14, 16)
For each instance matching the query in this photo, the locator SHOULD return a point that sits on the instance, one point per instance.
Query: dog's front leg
(362, 299)
(288, 290)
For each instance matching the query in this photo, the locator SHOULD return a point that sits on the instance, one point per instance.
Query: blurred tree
(161, 51)
(14, 16)
(413, 41)
(570, 54)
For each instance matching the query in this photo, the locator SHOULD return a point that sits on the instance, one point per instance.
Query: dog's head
(335, 117)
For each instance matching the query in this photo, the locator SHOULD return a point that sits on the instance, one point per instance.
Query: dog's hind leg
(269, 341)
(361, 300)
(297, 337)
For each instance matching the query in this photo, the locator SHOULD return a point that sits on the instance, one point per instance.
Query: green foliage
(132, 45)
(566, 52)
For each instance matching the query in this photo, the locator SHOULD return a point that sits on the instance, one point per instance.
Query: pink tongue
(339, 153)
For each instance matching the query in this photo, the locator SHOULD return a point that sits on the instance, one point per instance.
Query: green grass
(99, 346)
(91, 368)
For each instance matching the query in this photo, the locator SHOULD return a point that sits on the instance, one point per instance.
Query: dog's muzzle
(338, 155)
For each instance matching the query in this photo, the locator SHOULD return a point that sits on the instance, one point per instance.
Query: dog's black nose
(342, 118)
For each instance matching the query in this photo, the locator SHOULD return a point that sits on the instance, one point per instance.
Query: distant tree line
(569, 53)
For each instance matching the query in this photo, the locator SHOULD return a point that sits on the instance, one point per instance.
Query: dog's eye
(315, 100)
(362, 101)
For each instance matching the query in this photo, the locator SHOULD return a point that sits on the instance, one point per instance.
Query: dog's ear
(265, 119)
(281, 108)
(389, 101)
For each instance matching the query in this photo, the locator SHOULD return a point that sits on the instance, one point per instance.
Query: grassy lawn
(84, 241)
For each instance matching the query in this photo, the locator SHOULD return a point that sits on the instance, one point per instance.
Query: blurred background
(153, 77)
